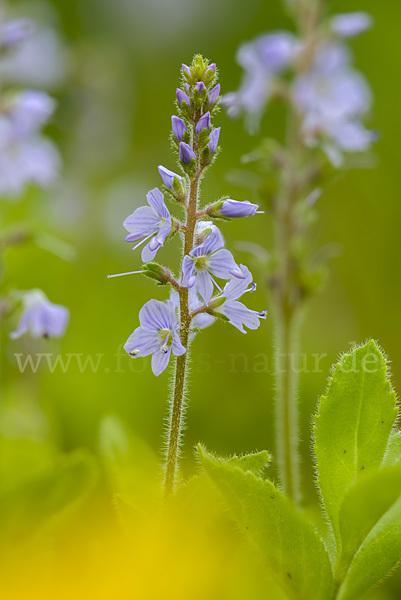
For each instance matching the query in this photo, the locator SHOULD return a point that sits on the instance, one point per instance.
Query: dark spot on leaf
(345, 451)
(362, 468)
(382, 421)
(272, 496)
(246, 527)
(289, 575)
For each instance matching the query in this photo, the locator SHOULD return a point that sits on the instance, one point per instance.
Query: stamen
(142, 241)
(134, 353)
(260, 212)
(262, 314)
(216, 284)
(251, 289)
(164, 349)
(121, 274)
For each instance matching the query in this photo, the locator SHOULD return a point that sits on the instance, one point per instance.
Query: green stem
(287, 330)
(178, 401)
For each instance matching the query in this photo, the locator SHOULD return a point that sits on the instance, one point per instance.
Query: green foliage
(285, 538)
(132, 468)
(393, 452)
(352, 426)
(32, 505)
(359, 475)
(370, 528)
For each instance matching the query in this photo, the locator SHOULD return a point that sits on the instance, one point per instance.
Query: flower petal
(204, 285)
(188, 270)
(142, 340)
(239, 315)
(221, 263)
(156, 315)
(213, 242)
(160, 360)
(155, 199)
(144, 221)
(178, 348)
(236, 286)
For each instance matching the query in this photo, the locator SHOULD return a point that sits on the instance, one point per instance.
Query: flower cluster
(26, 156)
(317, 76)
(198, 295)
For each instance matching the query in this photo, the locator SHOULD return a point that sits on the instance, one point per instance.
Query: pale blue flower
(168, 177)
(25, 156)
(29, 111)
(12, 33)
(40, 317)
(237, 313)
(262, 59)
(157, 335)
(349, 25)
(205, 261)
(153, 221)
(332, 89)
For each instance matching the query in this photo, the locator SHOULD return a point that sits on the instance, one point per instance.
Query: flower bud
(182, 98)
(214, 140)
(214, 94)
(233, 209)
(203, 123)
(186, 153)
(170, 179)
(179, 128)
(200, 87)
(156, 272)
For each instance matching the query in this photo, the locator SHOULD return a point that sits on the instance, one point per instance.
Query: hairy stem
(287, 325)
(178, 402)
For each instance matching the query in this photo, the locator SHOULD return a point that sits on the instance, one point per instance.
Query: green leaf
(255, 463)
(393, 452)
(26, 509)
(289, 544)
(133, 468)
(353, 425)
(370, 528)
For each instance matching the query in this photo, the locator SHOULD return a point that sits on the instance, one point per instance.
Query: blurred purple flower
(29, 111)
(153, 221)
(333, 91)
(157, 335)
(262, 59)
(348, 25)
(200, 87)
(14, 32)
(207, 259)
(41, 317)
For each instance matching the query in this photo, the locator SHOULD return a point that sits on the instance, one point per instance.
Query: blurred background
(114, 67)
